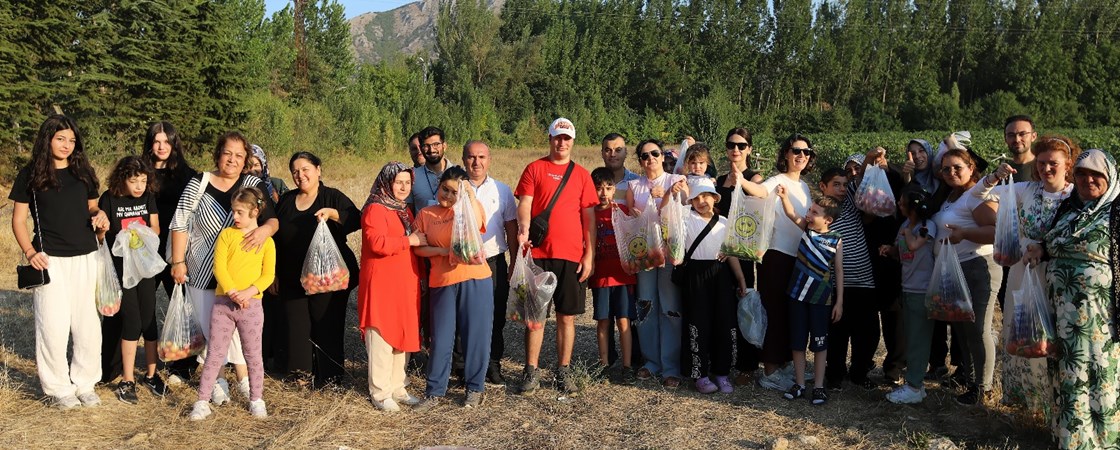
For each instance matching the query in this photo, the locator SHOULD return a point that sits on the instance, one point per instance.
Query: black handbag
(538, 225)
(680, 272)
(27, 276)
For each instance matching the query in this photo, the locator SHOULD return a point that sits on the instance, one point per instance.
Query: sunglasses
(951, 169)
(647, 155)
(805, 151)
(736, 145)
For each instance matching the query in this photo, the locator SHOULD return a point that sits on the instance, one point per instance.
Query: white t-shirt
(787, 235)
(498, 207)
(708, 249)
(959, 213)
(641, 188)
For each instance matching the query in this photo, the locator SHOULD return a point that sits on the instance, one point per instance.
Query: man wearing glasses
(1019, 134)
(614, 158)
(425, 181)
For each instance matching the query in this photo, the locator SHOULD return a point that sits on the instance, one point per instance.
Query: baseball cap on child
(562, 126)
(700, 185)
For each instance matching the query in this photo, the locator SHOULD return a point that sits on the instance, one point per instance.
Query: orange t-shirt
(435, 222)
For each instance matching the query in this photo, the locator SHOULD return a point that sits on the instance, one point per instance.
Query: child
(696, 161)
(819, 256)
(611, 287)
(915, 250)
(709, 300)
(242, 277)
(131, 198)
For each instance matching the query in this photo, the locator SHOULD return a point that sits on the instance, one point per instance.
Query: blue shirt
(811, 281)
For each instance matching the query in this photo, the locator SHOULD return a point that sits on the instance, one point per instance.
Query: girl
(914, 248)
(709, 301)
(57, 182)
(131, 198)
(242, 277)
(462, 302)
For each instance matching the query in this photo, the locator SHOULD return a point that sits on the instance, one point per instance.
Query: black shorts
(808, 326)
(570, 298)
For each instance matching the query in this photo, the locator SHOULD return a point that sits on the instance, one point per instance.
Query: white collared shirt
(498, 207)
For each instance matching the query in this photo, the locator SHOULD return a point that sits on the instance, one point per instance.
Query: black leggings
(710, 320)
(315, 334)
(136, 318)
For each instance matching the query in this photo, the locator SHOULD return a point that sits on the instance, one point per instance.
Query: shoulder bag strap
(563, 182)
(203, 183)
(38, 224)
(700, 237)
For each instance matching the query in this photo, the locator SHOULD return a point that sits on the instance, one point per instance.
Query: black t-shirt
(122, 211)
(63, 214)
(297, 228)
(171, 185)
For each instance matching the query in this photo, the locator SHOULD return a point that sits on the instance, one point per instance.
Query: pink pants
(249, 322)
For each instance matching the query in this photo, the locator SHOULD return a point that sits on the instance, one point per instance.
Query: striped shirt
(857, 260)
(203, 225)
(812, 272)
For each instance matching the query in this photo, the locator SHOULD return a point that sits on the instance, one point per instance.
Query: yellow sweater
(237, 269)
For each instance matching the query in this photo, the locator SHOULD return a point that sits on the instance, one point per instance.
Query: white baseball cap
(562, 126)
(700, 184)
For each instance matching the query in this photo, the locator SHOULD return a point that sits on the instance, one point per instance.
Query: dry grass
(604, 416)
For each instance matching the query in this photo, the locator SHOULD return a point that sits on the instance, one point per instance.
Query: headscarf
(258, 152)
(926, 178)
(382, 192)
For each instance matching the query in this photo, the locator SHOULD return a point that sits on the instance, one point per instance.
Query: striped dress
(857, 260)
(811, 281)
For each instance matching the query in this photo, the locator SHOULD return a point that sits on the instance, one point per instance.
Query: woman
(658, 298)
(203, 212)
(1024, 380)
(1081, 247)
(795, 158)
(315, 322)
(257, 166)
(56, 184)
(389, 287)
(969, 225)
(917, 168)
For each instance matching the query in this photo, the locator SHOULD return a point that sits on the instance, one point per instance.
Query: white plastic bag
(947, 298)
(673, 226)
(874, 195)
(182, 335)
(530, 292)
(108, 291)
(1008, 249)
(752, 224)
(466, 240)
(640, 244)
(138, 247)
(752, 318)
(324, 270)
(1028, 328)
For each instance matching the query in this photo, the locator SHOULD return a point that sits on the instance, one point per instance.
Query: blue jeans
(465, 309)
(659, 321)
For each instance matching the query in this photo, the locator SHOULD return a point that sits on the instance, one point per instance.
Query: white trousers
(64, 308)
(203, 302)
(386, 367)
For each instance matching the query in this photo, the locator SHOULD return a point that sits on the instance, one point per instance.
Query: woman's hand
(327, 214)
(254, 240)
(1033, 256)
(179, 272)
(39, 261)
(1002, 172)
(100, 221)
(908, 166)
(956, 233)
(679, 186)
(781, 191)
(417, 239)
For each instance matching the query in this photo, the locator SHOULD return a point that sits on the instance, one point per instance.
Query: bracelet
(33, 253)
(178, 262)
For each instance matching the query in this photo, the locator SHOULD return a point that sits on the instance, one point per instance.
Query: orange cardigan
(389, 283)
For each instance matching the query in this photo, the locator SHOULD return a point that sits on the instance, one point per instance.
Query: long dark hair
(782, 165)
(128, 167)
(42, 162)
(176, 158)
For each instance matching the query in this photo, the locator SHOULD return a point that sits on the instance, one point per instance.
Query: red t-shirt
(565, 225)
(608, 265)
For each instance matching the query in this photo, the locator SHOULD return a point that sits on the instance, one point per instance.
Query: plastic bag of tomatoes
(324, 270)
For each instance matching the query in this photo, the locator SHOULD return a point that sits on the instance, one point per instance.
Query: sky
(353, 7)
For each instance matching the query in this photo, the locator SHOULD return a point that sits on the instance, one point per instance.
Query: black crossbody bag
(679, 276)
(538, 225)
(27, 276)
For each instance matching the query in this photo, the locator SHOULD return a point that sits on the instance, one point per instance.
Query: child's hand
(837, 312)
(742, 289)
(781, 191)
(884, 250)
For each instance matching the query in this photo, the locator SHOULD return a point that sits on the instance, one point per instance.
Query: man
(425, 181)
(614, 158)
(414, 150)
(500, 217)
(566, 250)
(1019, 134)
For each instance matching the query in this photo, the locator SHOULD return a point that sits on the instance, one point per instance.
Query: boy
(611, 287)
(818, 269)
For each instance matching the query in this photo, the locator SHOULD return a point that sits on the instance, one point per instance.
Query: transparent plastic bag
(1008, 249)
(1028, 329)
(138, 247)
(752, 224)
(874, 195)
(108, 291)
(466, 240)
(530, 292)
(752, 318)
(324, 270)
(947, 298)
(672, 225)
(181, 336)
(639, 240)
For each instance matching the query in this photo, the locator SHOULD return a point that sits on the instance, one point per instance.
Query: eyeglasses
(736, 145)
(614, 150)
(1021, 134)
(950, 169)
(798, 151)
(431, 146)
(647, 155)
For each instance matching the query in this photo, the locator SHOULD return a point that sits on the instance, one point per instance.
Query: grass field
(603, 416)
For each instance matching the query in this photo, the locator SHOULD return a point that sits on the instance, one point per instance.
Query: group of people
(834, 278)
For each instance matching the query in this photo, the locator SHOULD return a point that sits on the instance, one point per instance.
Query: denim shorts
(613, 302)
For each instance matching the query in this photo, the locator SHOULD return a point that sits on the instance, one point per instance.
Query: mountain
(408, 29)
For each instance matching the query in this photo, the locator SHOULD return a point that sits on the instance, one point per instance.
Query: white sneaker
(221, 392)
(89, 399)
(777, 381)
(243, 387)
(257, 408)
(67, 402)
(788, 371)
(387, 405)
(201, 410)
(406, 399)
(906, 394)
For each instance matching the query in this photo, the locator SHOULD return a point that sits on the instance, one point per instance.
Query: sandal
(643, 374)
(671, 382)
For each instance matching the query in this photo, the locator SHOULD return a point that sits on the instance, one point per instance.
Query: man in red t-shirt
(567, 249)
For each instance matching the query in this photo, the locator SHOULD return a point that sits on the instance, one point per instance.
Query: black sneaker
(155, 384)
(936, 373)
(970, 397)
(494, 374)
(530, 380)
(958, 379)
(565, 383)
(820, 396)
(126, 392)
(795, 392)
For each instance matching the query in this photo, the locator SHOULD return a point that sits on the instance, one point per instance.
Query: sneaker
(175, 380)
(775, 381)
(257, 408)
(795, 392)
(126, 392)
(494, 374)
(220, 395)
(200, 411)
(565, 383)
(705, 386)
(866, 383)
(623, 376)
(970, 397)
(243, 387)
(530, 380)
(473, 400)
(936, 373)
(906, 394)
(405, 399)
(820, 396)
(67, 402)
(155, 384)
(90, 399)
(958, 379)
(724, 384)
(787, 371)
(427, 404)
(387, 405)
(643, 374)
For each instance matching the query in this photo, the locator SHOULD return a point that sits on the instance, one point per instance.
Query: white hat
(700, 184)
(562, 126)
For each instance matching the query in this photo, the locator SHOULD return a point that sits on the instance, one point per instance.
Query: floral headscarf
(258, 152)
(382, 192)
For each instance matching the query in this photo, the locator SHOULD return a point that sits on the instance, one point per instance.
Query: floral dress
(1085, 386)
